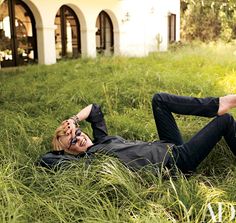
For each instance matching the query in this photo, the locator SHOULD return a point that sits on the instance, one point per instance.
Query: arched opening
(104, 34)
(67, 34)
(17, 34)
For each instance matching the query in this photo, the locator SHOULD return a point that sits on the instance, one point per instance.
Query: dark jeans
(188, 155)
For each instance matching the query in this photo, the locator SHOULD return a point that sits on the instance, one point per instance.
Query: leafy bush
(208, 20)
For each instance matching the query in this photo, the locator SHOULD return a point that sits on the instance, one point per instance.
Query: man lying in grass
(170, 150)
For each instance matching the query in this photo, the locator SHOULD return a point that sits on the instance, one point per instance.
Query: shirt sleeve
(96, 118)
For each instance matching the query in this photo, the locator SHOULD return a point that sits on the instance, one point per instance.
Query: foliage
(35, 99)
(208, 20)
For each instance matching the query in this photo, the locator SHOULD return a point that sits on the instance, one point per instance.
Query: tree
(208, 20)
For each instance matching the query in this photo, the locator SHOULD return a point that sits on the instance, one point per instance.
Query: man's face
(76, 144)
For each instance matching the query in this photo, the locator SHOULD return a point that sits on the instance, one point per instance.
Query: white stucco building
(47, 30)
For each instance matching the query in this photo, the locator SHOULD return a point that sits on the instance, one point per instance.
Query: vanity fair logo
(221, 209)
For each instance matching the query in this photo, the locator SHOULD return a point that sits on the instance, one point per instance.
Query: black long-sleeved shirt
(135, 154)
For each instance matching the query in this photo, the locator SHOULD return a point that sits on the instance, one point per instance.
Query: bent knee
(226, 117)
(226, 120)
(158, 98)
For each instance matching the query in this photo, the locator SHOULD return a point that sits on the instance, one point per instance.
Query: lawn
(35, 99)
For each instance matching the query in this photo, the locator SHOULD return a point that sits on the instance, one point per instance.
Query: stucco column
(125, 38)
(46, 44)
(117, 42)
(165, 33)
(88, 43)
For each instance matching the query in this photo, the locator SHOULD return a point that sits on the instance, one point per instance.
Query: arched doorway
(17, 34)
(67, 34)
(104, 34)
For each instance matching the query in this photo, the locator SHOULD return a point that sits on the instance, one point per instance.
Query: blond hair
(56, 142)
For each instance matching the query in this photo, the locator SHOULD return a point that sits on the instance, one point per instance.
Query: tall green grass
(35, 99)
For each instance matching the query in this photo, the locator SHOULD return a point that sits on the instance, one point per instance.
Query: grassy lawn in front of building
(35, 99)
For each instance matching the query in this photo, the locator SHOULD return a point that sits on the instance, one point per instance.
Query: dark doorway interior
(67, 34)
(104, 34)
(17, 34)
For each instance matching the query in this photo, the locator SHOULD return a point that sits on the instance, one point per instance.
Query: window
(172, 27)
(104, 34)
(67, 34)
(17, 34)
